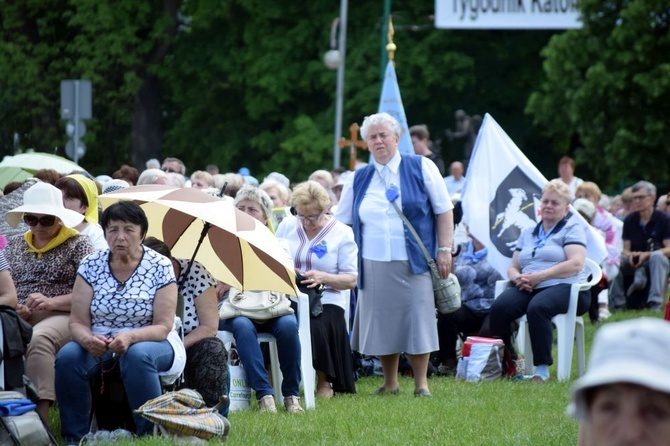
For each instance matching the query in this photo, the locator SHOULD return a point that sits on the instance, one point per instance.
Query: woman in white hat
(624, 397)
(44, 263)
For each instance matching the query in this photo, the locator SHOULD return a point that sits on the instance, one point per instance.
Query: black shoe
(655, 306)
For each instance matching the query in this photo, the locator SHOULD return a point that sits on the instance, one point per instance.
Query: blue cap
(244, 171)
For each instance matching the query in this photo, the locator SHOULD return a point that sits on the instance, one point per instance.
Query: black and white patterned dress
(124, 305)
(207, 360)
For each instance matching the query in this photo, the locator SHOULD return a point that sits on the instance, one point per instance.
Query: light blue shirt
(454, 186)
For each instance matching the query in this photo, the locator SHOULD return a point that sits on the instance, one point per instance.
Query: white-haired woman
(547, 260)
(253, 201)
(202, 180)
(396, 308)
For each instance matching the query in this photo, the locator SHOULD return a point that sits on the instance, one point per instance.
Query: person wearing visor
(43, 263)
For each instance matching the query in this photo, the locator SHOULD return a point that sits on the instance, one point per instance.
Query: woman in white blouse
(396, 309)
(325, 253)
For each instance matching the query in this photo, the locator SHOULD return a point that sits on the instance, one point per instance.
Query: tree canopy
(606, 91)
(242, 83)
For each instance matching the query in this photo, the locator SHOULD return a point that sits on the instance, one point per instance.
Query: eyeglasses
(33, 220)
(169, 170)
(639, 197)
(311, 218)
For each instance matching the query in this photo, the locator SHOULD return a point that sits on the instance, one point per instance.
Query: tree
(606, 91)
(241, 82)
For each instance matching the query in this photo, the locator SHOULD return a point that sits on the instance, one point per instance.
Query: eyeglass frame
(639, 197)
(312, 218)
(42, 221)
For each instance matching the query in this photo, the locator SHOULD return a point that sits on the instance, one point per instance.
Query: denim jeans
(285, 330)
(139, 366)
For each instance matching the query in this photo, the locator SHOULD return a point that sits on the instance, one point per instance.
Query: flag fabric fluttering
(501, 195)
(391, 103)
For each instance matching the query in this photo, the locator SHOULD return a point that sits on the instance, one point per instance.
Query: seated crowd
(99, 294)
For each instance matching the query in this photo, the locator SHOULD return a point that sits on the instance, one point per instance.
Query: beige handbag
(447, 291)
(256, 305)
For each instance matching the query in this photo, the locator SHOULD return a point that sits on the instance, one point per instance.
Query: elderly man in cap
(624, 397)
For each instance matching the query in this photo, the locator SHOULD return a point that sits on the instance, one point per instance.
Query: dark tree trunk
(146, 127)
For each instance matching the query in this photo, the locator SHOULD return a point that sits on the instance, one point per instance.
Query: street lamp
(334, 59)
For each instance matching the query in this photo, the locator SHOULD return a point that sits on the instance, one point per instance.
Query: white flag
(391, 103)
(500, 194)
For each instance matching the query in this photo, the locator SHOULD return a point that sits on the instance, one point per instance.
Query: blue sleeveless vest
(415, 205)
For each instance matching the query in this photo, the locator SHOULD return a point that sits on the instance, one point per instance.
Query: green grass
(494, 413)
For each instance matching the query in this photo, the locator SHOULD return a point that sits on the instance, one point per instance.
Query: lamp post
(334, 58)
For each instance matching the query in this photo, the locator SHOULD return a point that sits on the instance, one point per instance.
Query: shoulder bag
(256, 305)
(447, 291)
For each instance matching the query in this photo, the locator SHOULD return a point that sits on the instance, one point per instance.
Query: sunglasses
(46, 221)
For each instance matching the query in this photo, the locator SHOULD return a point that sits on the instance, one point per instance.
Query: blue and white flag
(391, 103)
(501, 196)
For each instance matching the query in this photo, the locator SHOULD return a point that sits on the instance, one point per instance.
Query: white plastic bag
(484, 362)
(240, 390)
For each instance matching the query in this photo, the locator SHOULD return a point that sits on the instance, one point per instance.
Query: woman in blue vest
(396, 309)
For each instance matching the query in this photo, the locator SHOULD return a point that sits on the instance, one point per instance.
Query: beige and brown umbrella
(236, 249)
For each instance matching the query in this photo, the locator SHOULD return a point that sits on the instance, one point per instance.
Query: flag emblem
(512, 210)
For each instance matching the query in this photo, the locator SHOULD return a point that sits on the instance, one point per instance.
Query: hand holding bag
(447, 291)
(256, 305)
(314, 294)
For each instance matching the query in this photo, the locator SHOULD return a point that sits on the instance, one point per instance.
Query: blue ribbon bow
(320, 250)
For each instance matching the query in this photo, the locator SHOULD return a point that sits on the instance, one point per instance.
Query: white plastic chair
(569, 327)
(308, 374)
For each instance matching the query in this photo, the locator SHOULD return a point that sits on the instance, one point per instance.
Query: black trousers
(539, 307)
(464, 320)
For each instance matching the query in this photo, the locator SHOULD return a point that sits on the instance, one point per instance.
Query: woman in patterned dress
(206, 357)
(123, 309)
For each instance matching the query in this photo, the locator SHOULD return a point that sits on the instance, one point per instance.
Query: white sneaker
(267, 404)
(603, 313)
(292, 404)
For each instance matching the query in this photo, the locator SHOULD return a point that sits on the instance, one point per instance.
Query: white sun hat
(635, 351)
(43, 198)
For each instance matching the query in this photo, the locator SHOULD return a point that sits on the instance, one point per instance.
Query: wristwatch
(444, 248)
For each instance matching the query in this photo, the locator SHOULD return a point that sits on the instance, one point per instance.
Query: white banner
(500, 196)
(507, 14)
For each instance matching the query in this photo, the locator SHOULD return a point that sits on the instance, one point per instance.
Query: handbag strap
(429, 259)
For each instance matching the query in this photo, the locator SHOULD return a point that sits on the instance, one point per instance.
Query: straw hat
(43, 198)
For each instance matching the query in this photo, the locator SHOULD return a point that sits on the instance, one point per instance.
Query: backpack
(20, 424)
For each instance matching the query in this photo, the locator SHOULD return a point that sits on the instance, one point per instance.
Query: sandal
(382, 390)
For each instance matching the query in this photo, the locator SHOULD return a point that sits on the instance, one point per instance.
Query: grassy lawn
(495, 413)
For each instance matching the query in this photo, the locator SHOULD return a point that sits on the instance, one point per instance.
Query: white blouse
(332, 250)
(382, 227)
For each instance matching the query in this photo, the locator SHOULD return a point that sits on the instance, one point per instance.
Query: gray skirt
(395, 311)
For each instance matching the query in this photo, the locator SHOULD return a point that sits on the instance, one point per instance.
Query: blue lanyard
(542, 238)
